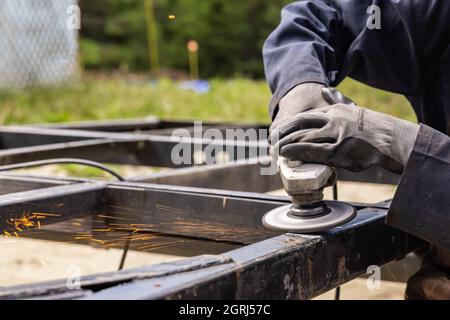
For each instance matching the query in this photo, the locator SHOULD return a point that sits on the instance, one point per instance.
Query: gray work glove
(347, 136)
(305, 97)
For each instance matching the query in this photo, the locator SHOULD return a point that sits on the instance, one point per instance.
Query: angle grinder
(308, 213)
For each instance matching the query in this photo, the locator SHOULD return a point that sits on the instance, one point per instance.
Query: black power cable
(40, 163)
(337, 293)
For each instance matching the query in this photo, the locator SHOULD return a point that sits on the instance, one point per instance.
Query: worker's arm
(323, 41)
(421, 205)
(303, 49)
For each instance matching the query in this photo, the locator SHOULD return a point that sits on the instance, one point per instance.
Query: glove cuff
(304, 97)
(404, 134)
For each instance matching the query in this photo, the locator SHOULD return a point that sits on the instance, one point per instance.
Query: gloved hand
(347, 136)
(432, 281)
(305, 97)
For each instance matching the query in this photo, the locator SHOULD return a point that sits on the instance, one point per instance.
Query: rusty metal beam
(152, 148)
(287, 266)
(21, 144)
(52, 204)
(220, 216)
(227, 176)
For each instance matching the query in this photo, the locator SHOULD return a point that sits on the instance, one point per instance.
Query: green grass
(113, 98)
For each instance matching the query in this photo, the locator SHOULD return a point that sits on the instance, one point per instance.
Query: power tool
(308, 213)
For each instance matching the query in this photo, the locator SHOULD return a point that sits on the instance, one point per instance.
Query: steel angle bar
(17, 183)
(201, 213)
(147, 149)
(288, 266)
(227, 176)
(122, 148)
(92, 283)
(291, 266)
(31, 209)
(101, 150)
(147, 124)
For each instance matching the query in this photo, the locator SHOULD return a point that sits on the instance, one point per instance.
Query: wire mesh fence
(38, 46)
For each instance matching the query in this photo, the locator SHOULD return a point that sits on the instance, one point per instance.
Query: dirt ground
(28, 261)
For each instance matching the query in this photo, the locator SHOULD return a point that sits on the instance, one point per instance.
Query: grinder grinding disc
(281, 218)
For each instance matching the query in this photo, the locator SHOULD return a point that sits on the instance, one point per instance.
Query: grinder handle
(301, 177)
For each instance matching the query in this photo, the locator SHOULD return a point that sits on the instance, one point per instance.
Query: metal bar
(112, 125)
(121, 148)
(101, 150)
(226, 176)
(22, 210)
(95, 282)
(31, 143)
(226, 216)
(285, 267)
(17, 183)
(220, 216)
(140, 125)
(288, 266)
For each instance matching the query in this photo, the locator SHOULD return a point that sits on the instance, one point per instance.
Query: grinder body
(304, 183)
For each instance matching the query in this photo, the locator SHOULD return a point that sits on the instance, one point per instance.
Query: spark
(156, 246)
(170, 209)
(83, 237)
(172, 17)
(17, 225)
(103, 230)
(112, 217)
(99, 241)
(47, 214)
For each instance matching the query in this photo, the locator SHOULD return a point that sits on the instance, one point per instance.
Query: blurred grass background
(98, 97)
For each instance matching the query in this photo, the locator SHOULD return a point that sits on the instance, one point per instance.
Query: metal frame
(209, 213)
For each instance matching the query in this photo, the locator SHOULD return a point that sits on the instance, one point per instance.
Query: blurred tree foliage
(230, 32)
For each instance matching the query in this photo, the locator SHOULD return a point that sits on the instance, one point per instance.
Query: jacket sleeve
(421, 205)
(302, 48)
(326, 40)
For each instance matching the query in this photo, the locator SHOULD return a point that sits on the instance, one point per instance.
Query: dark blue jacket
(326, 41)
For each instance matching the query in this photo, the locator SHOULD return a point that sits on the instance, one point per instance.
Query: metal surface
(190, 210)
